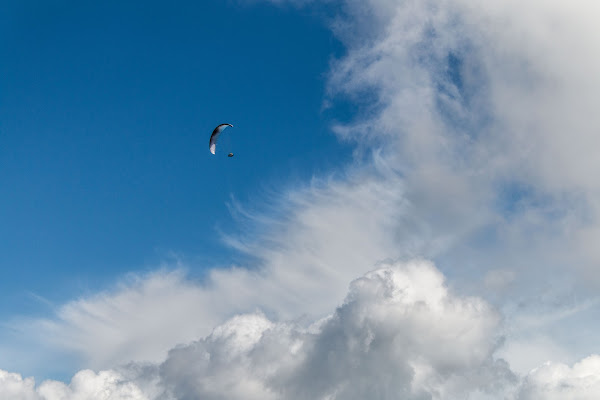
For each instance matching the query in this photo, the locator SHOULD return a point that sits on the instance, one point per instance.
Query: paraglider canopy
(212, 143)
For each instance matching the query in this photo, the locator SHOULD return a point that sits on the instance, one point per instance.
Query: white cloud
(86, 384)
(385, 340)
(559, 381)
(13, 386)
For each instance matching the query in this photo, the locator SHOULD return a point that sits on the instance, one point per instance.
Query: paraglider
(212, 143)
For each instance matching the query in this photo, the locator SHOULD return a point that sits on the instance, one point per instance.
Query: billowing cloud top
(384, 340)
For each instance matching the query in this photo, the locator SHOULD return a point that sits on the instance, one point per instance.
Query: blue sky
(106, 109)
(413, 206)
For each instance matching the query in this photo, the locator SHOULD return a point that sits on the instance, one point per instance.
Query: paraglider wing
(212, 144)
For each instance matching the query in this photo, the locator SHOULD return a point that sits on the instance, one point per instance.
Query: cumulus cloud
(385, 340)
(86, 384)
(558, 381)
(13, 386)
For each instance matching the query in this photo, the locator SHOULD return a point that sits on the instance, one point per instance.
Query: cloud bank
(400, 333)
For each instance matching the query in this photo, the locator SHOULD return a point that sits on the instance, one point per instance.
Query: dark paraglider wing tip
(220, 127)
